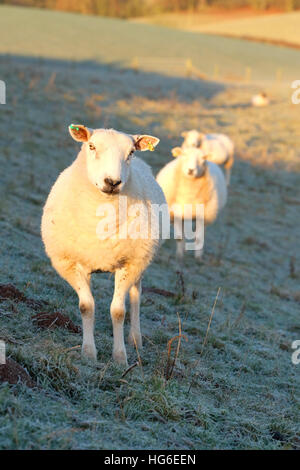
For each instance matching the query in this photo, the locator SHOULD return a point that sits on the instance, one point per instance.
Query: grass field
(273, 27)
(238, 388)
(55, 35)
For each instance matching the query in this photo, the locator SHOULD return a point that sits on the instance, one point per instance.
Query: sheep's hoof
(120, 357)
(89, 351)
(135, 340)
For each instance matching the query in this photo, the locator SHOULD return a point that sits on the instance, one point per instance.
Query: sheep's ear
(184, 134)
(80, 133)
(145, 142)
(207, 157)
(176, 151)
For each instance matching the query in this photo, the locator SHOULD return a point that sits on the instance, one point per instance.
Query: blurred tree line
(131, 8)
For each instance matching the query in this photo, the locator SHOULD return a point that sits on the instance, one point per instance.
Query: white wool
(215, 149)
(205, 186)
(71, 217)
(260, 100)
(219, 148)
(70, 221)
(224, 140)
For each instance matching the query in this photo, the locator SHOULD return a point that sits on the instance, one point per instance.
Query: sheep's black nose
(112, 183)
(190, 172)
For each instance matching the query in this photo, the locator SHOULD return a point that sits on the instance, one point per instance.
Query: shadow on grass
(186, 88)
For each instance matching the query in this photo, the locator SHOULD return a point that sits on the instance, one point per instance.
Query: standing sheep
(191, 180)
(103, 172)
(219, 147)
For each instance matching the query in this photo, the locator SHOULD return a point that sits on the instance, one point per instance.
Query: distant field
(187, 20)
(276, 27)
(45, 34)
(234, 385)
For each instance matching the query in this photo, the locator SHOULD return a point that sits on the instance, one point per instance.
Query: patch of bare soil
(13, 373)
(45, 320)
(10, 292)
(163, 292)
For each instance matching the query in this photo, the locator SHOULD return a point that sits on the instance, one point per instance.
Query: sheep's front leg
(79, 278)
(87, 310)
(180, 243)
(123, 282)
(199, 240)
(135, 337)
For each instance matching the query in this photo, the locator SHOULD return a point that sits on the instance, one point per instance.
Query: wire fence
(185, 68)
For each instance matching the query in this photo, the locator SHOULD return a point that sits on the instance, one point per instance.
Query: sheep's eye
(92, 147)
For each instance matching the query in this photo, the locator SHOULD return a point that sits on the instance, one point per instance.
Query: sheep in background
(218, 147)
(259, 100)
(191, 179)
(102, 172)
(192, 138)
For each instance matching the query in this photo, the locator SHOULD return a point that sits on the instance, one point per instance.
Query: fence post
(188, 67)
(135, 64)
(216, 72)
(248, 72)
(278, 75)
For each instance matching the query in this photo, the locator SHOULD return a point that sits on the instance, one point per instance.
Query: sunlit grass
(274, 27)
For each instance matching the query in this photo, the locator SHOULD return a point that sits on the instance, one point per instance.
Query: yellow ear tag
(150, 147)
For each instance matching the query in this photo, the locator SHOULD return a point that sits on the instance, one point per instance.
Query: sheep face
(108, 160)
(192, 138)
(193, 161)
(108, 155)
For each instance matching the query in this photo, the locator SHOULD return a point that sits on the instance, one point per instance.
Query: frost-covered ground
(239, 389)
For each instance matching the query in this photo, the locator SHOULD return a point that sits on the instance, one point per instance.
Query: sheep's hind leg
(79, 279)
(228, 166)
(135, 337)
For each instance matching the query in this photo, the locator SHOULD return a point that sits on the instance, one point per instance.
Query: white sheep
(187, 181)
(218, 147)
(259, 100)
(192, 138)
(103, 171)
